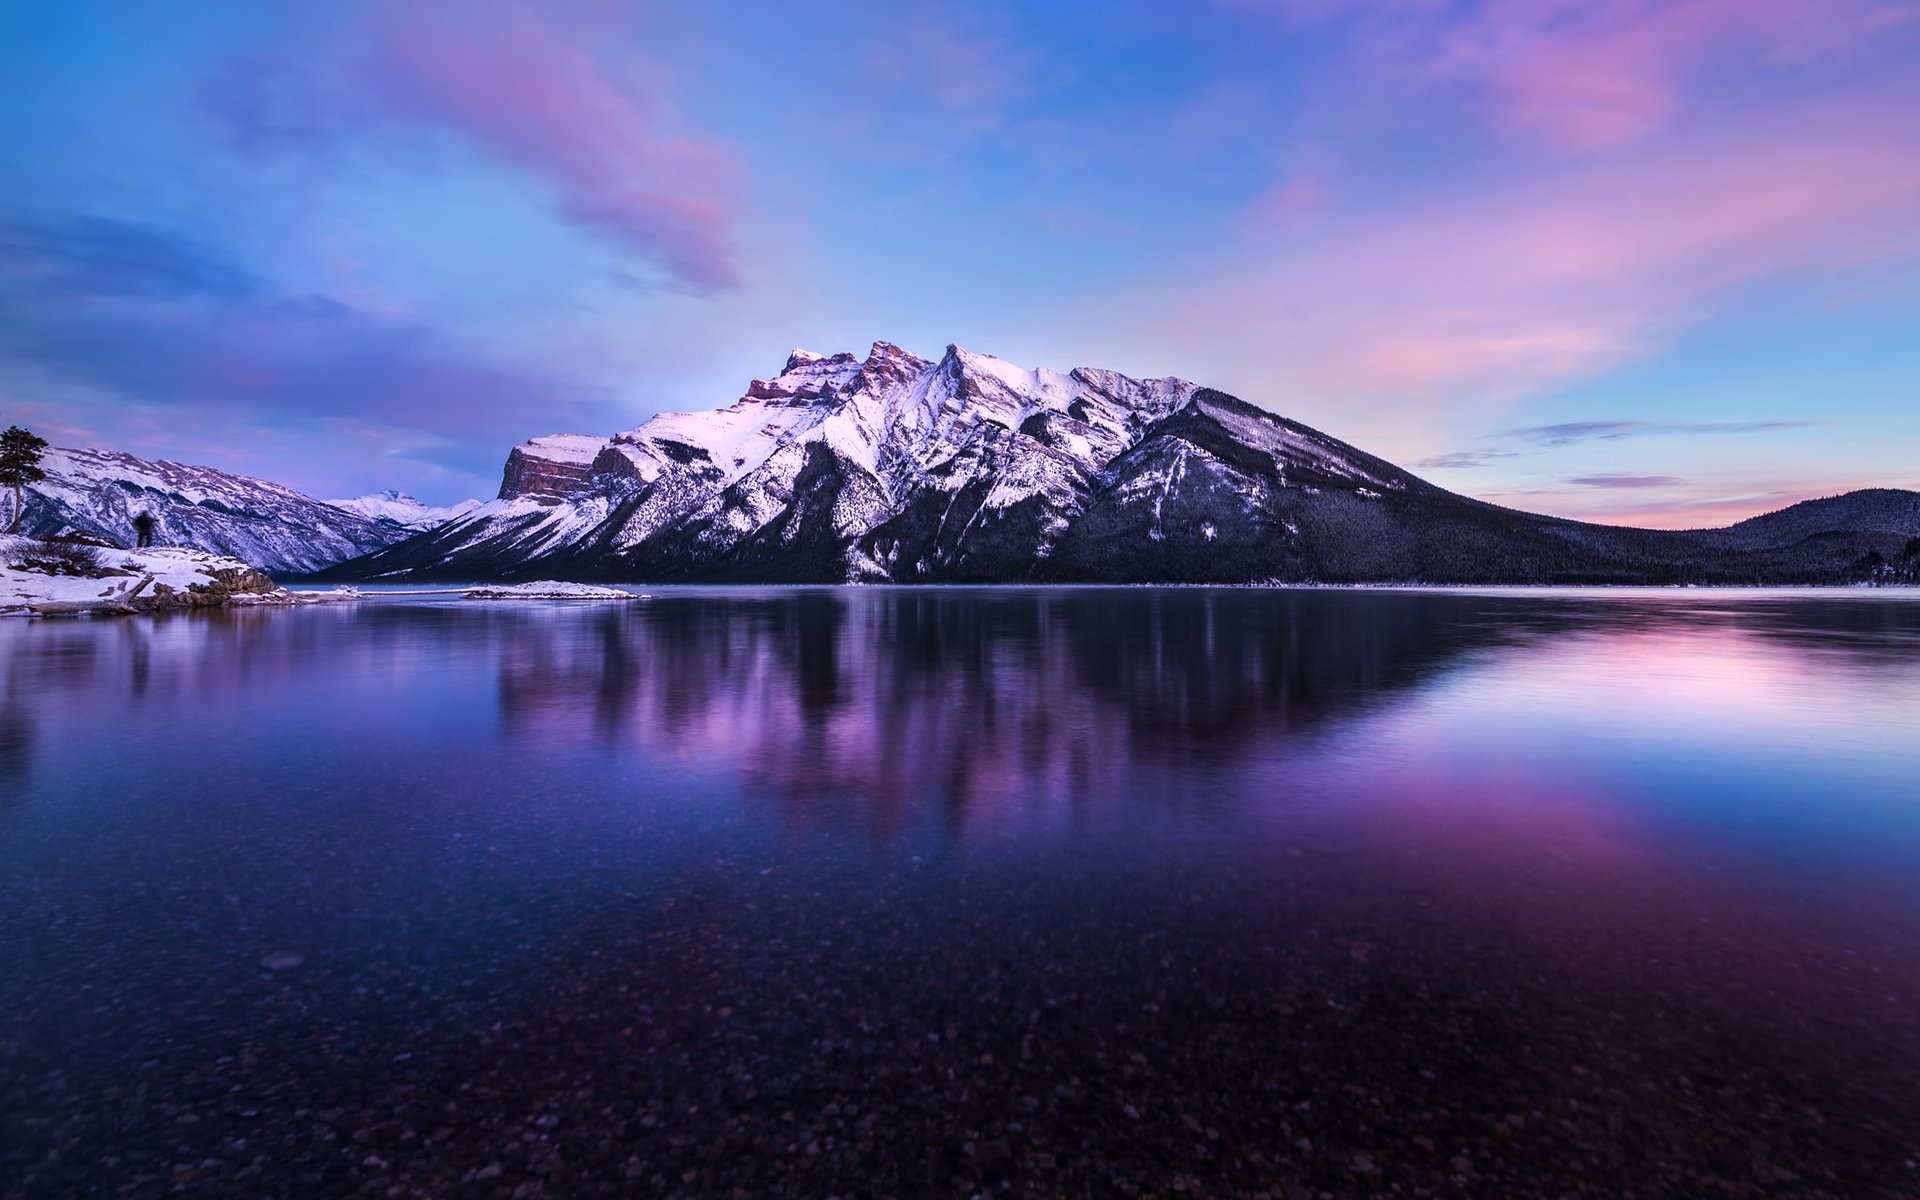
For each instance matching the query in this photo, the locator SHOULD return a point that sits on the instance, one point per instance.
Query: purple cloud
(85, 256)
(1570, 432)
(150, 317)
(502, 76)
(1464, 458)
(1626, 481)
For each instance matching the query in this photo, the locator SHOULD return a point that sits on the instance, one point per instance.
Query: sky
(1648, 262)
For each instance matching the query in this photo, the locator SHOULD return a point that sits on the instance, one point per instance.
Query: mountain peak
(969, 368)
(888, 364)
(811, 363)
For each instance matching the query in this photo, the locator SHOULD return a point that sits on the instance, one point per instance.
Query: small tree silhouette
(20, 453)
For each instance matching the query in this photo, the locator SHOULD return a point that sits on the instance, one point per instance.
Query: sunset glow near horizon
(1622, 260)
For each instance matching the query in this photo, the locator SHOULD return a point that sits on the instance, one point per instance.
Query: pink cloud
(1584, 75)
(506, 78)
(1505, 287)
(1587, 74)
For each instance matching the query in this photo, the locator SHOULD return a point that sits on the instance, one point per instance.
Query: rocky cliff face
(896, 468)
(100, 492)
(557, 465)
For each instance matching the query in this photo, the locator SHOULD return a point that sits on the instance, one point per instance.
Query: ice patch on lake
(549, 590)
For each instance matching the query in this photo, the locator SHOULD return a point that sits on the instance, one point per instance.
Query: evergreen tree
(20, 453)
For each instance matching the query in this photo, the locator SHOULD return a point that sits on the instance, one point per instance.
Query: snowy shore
(40, 578)
(47, 578)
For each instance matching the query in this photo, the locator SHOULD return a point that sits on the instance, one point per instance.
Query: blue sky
(350, 246)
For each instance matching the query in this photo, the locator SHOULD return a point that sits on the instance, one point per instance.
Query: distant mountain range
(965, 469)
(897, 468)
(99, 492)
(401, 511)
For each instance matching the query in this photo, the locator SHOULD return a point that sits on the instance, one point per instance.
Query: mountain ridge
(98, 493)
(967, 468)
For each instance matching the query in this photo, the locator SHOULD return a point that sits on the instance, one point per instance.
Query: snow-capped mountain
(100, 492)
(891, 466)
(899, 468)
(402, 511)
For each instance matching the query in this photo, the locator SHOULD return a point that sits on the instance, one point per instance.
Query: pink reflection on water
(1536, 807)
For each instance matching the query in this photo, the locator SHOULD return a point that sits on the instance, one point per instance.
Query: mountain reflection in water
(888, 891)
(974, 706)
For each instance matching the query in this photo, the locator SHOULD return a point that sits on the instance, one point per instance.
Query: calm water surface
(944, 892)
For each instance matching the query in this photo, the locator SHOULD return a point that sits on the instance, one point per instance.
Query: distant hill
(1870, 510)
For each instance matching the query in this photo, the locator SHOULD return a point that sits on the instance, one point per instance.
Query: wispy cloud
(1461, 459)
(500, 75)
(145, 316)
(1572, 432)
(1587, 75)
(1492, 294)
(79, 255)
(507, 79)
(1626, 481)
(1622, 172)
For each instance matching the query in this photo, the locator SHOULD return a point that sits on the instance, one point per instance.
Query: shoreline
(62, 579)
(371, 590)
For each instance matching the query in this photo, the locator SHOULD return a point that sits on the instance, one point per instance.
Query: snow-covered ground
(165, 576)
(175, 577)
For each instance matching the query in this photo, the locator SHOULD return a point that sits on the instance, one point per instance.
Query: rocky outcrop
(36, 579)
(221, 584)
(555, 465)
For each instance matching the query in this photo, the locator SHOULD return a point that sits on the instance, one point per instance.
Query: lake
(852, 892)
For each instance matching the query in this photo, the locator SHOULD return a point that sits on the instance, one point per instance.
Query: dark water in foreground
(895, 892)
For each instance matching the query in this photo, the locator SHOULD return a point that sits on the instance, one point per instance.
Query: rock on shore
(44, 578)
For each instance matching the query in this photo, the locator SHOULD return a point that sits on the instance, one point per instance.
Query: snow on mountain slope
(404, 511)
(100, 492)
(955, 452)
(894, 467)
